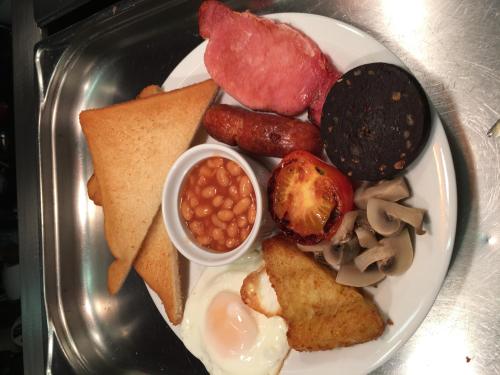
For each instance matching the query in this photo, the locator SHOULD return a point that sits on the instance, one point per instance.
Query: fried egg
(224, 333)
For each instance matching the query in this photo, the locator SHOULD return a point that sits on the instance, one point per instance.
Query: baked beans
(217, 203)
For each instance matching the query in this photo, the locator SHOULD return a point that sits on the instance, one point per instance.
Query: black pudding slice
(375, 121)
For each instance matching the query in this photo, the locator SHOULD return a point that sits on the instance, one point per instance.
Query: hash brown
(320, 313)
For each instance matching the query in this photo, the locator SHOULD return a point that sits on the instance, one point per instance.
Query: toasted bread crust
(149, 91)
(133, 145)
(158, 261)
(94, 191)
(320, 313)
(158, 265)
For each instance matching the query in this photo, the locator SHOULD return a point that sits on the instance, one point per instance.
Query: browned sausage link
(261, 133)
(222, 124)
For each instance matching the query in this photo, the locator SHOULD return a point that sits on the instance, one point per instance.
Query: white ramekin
(181, 236)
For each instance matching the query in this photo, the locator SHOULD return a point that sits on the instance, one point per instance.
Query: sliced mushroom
(319, 247)
(410, 215)
(389, 190)
(351, 276)
(318, 257)
(379, 220)
(402, 259)
(343, 253)
(362, 220)
(344, 232)
(366, 237)
(374, 255)
(385, 217)
(333, 257)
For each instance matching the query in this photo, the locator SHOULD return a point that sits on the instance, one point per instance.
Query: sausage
(261, 133)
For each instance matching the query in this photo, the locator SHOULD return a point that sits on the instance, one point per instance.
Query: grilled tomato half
(308, 197)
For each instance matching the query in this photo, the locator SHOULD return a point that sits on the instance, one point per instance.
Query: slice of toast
(133, 145)
(320, 313)
(93, 189)
(158, 265)
(158, 261)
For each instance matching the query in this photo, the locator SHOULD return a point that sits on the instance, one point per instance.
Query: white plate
(406, 299)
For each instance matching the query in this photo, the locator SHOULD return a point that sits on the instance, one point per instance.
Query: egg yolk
(230, 326)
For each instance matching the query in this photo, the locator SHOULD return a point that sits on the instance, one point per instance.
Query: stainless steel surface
(452, 47)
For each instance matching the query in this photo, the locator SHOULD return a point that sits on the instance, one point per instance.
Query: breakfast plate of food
(290, 197)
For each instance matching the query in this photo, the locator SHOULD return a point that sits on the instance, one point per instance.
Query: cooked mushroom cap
(379, 219)
(341, 253)
(351, 276)
(410, 215)
(366, 238)
(374, 255)
(319, 247)
(393, 255)
(344, 233)
(362, 220)
(403, 258)
(333, 257)
(385, 217)
(389, 190)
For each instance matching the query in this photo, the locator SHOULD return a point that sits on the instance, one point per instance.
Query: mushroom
(403, 257)
(343, 253)
(386, 217)
(393, 255)
(344, 232)
(351, 276)
(374, 255)
(319, 247)
(379, 220)
(389, 190)
(366, 237)
(362, 220)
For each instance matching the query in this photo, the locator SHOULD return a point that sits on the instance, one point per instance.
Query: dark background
(11, 360)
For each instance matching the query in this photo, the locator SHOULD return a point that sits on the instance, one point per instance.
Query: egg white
(265, 357)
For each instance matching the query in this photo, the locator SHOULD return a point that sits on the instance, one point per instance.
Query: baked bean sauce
(218, 204)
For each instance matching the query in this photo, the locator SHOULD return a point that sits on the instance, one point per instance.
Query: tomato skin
(342, 192)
